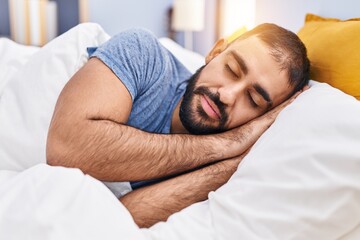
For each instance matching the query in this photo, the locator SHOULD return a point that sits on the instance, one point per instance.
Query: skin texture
(88, 130)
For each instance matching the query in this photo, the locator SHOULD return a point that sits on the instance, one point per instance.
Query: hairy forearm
(111, 151)
(157, 202)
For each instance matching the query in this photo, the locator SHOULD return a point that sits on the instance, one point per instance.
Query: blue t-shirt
(155, 79)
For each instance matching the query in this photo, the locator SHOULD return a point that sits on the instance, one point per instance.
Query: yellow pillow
(334, 51)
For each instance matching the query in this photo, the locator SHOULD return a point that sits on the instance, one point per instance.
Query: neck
(176, 125)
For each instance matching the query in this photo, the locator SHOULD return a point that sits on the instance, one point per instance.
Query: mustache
(215, 97)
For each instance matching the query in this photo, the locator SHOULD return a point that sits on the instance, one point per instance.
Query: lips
(210, 108)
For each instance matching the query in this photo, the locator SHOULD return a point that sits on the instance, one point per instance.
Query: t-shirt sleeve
(135, 56)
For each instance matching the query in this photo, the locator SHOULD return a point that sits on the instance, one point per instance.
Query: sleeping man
(134, 115)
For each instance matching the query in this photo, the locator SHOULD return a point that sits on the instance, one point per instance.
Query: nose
(231, 92)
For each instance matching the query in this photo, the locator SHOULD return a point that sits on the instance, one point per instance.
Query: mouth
(210, 108)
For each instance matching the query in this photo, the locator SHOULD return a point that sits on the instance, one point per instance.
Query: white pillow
(12, 57)
(191, 60)
(301, 180)
(29, 97)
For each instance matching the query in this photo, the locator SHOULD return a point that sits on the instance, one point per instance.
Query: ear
(219, 46)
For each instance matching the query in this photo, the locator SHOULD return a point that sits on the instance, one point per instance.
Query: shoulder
(135, 37)
(141, 33)
(135, 44)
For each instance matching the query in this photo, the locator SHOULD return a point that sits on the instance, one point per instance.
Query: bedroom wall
(291, 14)
(67, 16)
(204, 40)
(118, 15)
(4, 18)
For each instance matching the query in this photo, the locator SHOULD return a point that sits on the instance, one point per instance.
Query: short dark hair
(287, 49)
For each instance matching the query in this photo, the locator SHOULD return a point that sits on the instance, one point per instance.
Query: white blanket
(46, 202)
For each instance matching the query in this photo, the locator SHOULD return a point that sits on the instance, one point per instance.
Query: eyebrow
(240, 61)
(264, 94)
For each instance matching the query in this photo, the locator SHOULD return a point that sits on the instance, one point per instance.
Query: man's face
(237, 85)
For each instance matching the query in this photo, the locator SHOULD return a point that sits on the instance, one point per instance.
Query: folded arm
(89, 131)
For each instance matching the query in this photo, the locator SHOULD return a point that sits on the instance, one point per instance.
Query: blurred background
(195, 24)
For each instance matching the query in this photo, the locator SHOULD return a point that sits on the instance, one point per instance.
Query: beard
(192, 115)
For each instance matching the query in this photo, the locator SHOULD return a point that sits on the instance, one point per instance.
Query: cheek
(241, 115)
(210, 78)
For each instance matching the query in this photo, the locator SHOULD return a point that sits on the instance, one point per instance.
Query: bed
(301, 180)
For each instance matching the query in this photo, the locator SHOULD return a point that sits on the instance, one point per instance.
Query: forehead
(263, 69)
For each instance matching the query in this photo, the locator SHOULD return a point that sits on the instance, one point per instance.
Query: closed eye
(251, 100)
(228, 69)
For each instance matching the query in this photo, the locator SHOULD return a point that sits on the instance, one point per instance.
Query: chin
(203, 127)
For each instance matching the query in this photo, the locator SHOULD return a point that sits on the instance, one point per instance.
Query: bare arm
(88, 131)
(151, 204)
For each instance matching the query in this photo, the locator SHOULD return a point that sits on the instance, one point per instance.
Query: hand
(243, 137)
